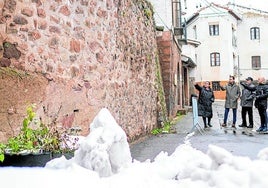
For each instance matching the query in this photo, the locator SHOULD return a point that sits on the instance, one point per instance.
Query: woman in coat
(205, 100)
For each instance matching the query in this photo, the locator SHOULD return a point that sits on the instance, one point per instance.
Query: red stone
(35, 35)
(65, 10)
(41, 13)
(75, 46)
(54, 19)
(54, 29)
(27, 11)
(42, 25)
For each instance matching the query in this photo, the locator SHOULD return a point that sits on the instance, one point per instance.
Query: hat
(249, 78)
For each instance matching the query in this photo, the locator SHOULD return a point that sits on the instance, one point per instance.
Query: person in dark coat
(205, 100)
(261, 103)
(247, 99)
(232, 96)
(261, 95)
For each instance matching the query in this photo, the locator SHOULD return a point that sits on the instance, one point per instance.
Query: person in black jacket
(246, 99)
(261, 103)
(205, 100)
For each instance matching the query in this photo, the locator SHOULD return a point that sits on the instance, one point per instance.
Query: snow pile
(105, 150)
(103, 160)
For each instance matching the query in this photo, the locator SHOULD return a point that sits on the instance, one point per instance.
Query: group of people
(251, 95)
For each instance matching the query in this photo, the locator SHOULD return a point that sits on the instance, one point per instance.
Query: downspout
(238, 69)
(170, 73)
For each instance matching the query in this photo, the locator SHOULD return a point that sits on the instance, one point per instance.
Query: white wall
(190, 50)
(163, 13)
(221, 43)
(248, 47)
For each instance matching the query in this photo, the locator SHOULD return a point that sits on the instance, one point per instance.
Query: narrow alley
(237, 144)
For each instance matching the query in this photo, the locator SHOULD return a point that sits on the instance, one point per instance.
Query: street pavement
(238, 144)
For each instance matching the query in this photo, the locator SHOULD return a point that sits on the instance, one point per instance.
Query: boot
(223, 125)
(264, 129)
(260, 129)
(250, 127)
(242, 125)
(233, 126)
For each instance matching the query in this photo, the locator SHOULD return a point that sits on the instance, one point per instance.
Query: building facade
(175, 69)
(215, 27)
(72, 59)
(252, 45)
(232, 42)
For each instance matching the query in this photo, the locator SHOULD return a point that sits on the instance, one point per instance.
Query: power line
(162, 21)
(213, 8)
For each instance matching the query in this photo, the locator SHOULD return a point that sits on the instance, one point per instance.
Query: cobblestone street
(237, 144)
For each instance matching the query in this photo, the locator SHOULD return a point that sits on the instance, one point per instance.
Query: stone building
(72, 58)
(175, 69)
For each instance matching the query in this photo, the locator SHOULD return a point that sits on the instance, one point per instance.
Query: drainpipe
(176, 18)
(176, 30)
(238, 69)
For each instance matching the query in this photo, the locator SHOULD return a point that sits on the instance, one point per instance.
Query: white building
(232, 43)
(215, 28)
(252, 43)
(163, 13)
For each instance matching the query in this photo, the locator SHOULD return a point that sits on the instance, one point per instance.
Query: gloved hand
(242, 83)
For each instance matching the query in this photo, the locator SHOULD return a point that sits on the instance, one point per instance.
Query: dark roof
(187, 61)
(195, 15)
(250, 9)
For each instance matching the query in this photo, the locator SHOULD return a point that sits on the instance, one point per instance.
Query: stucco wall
(248, 48)
(76, 57)
(163, 16)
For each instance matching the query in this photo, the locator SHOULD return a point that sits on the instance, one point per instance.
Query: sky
(163, 14)
(194, 5)
(103, 160)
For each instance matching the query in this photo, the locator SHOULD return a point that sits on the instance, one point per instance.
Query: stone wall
(73, 57)
(171, 67)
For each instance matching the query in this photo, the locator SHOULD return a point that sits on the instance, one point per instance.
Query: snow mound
(105, 150)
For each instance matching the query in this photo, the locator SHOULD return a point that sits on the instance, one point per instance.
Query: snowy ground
(104, 160)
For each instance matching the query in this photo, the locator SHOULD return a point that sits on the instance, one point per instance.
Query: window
(254, 33)
(216, 86)
(256, 62)
(195, 33)
(234, 39)
(213, 30)
(215, 59)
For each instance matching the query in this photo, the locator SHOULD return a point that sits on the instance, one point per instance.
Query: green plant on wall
(168, 126)
(2, 150)
(24, 141)
(165, 123)
(146, 7)
(148, 13)
(38, 140)
(160, 90)
(13, 72)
